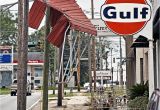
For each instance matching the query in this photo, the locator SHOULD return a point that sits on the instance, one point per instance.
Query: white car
(86, 85)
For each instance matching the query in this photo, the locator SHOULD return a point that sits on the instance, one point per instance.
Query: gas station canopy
(62, 14)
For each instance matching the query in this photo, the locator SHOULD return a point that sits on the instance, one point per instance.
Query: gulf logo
(126, 17)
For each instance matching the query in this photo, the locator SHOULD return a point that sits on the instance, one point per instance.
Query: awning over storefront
(63, 13)
(140, 42)
(156, 25)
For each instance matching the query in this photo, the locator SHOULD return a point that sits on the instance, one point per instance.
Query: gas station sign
(6, 54)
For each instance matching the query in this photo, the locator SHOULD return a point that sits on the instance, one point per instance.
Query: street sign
(5, 58)
(101, 28)
(5, 49)
(6, 67)
(6, 54)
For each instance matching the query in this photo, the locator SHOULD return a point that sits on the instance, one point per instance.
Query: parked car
(154, 102)
(86, 85)
(14, 88)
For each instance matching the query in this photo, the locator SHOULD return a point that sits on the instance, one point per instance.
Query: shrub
(139, 103)
(138, 90)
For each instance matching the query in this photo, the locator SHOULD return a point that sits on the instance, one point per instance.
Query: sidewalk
(69, 103)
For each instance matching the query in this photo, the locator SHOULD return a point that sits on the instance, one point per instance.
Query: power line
(8, 6)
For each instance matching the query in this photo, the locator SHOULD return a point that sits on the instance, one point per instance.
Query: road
(8, 102)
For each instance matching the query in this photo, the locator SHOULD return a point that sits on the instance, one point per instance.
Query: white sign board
(101, 28)
(71, 83)
(102, 73)
(6, 67)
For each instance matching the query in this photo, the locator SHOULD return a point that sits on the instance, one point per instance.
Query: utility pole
(55, 68)
(46, 63)
(121, 69)
(130, 62)
(92, 9)
(22, 53)
(78, 66)
(89, 65)
(93, 48)
(111, 67)
(59, 103)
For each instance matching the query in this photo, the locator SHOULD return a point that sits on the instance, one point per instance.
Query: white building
(8, 72)
(147, 46)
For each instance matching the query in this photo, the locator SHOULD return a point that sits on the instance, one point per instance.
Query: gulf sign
(126, 17)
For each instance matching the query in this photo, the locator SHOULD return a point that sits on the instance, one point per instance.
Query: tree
(52, 66)
(8, 28)
(38, 38)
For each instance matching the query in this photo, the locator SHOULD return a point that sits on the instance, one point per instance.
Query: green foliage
(8, 28)
(52, 88)
(139, 90)
(138, 103)
(4, 91)
(37, 36)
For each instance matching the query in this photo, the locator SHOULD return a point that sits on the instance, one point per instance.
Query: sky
(84, 4)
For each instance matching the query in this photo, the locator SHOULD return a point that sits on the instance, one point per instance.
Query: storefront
(34, 67)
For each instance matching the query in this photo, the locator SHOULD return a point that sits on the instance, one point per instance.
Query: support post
(55, 68)
(22, 53)
(121, 69)
(59, 103)
(94, 63)
(151, 68)
(78, 66)
(111, 67)
(93, 49)
(46, 63)
(89, 64)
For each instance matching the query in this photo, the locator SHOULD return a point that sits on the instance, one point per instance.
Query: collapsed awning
(156, 25)
(63, 13)
(140, 42)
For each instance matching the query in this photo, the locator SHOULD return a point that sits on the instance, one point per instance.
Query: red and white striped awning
(63, 13)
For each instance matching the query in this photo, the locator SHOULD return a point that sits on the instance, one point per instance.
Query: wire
(8, 6)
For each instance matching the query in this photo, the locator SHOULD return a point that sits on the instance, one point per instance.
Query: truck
(14, 86)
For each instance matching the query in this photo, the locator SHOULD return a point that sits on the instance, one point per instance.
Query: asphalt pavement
(8, 102)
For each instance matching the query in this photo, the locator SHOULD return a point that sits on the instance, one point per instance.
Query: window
(141, 69)
(37, 81)
(38, 72)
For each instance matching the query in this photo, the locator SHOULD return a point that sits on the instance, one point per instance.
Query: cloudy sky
(84, 4)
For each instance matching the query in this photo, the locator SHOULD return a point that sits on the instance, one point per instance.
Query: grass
(86, 94)
(4, 91)
(52, 95)
(118, 91)
(65, 95)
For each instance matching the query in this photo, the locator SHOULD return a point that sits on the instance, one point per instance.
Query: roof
(32, 56)
(62, 13)
(140, 42)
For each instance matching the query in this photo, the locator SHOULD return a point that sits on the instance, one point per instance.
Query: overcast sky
(84, 4)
